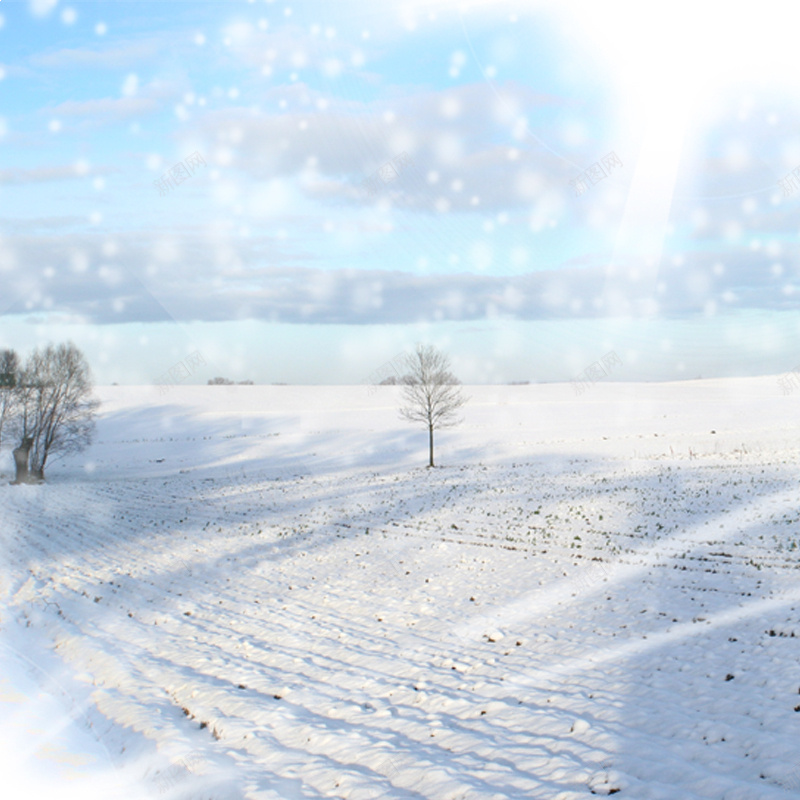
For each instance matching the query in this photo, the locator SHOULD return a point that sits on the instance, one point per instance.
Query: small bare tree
(431, 393)
(55, 409)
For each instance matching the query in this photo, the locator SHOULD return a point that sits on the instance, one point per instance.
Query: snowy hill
(259, 592)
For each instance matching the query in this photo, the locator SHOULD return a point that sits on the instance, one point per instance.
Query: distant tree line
(227, 382)
(46, 406)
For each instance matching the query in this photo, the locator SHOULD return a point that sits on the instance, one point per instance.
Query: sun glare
(694, 48)
(667, 64)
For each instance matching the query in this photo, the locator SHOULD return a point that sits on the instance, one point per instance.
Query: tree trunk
(430, 445)
(21, 462)
(37, 471)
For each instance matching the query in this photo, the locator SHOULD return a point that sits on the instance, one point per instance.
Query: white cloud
(131, 85)
(41, 8)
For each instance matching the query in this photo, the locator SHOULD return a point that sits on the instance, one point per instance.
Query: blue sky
(272, 259)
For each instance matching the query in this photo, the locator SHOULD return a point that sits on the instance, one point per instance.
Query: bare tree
(9, 372)
(431, 393)
(55, 408)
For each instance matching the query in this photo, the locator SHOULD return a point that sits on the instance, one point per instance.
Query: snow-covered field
(260, 592)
